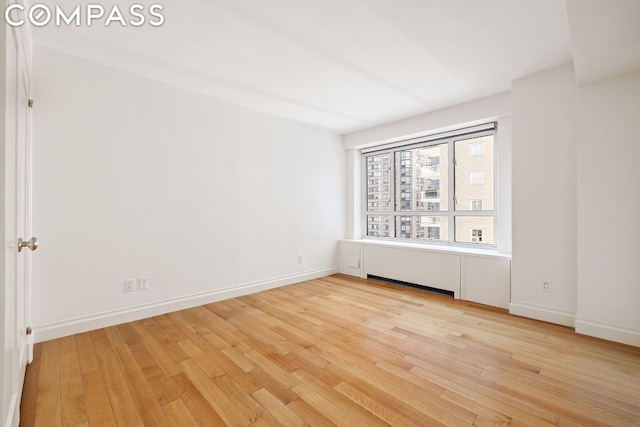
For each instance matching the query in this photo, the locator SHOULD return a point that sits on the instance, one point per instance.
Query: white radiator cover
(471, 275)
(436, 270)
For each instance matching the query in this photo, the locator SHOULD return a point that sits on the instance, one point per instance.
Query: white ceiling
(343, 65)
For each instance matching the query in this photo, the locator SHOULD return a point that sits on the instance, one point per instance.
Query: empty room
(315, 213)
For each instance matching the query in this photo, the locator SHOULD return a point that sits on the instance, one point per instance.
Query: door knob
(31, 244)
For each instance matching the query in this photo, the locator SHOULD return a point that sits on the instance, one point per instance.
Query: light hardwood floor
(333, 351)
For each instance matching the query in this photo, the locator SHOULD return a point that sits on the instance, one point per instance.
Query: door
(17, 349)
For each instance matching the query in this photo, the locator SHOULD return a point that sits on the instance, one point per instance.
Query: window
(476, 148)
(477, 177)
(433, 233)
(437, 189)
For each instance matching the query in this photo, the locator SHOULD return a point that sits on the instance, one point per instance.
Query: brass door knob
(31, 244)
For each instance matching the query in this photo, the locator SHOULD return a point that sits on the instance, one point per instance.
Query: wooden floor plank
(245, 402)
(72, 396)
(48, 402)
(124, 409)
(333, 351)
(214, 396)
(280, 412)
(380, 410)
(329, 410)
(341, 402)
(179, 414)
(516, 409)
(195, 402)
(148, 405)
(308, 413)
(99, 409)
(30, 389)
(86, 353)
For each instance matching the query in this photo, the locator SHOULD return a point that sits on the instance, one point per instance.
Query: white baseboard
(78, 325)
(608, 331)
(545, 314)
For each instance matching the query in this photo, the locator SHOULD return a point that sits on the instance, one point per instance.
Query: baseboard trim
(545, 314)
(608, 331)
(78, 325)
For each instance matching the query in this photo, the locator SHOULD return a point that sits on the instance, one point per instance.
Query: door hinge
(29, 330)
(30, 103)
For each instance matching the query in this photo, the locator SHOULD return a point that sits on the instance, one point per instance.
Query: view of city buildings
(410, 193)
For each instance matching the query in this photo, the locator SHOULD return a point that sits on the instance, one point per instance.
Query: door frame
(15, 170)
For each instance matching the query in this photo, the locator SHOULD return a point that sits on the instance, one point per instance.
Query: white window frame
(447, 138)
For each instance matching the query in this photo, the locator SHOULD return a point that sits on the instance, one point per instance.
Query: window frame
(449, 138)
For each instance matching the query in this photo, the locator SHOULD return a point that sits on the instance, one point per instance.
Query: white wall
(137, 178)
(544, 196)
(609, 209)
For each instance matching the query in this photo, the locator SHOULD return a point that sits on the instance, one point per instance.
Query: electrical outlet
(299, 259)
(129, 285)
(144, 283)
(546, 286)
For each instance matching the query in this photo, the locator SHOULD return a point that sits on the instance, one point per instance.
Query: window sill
(459, 250)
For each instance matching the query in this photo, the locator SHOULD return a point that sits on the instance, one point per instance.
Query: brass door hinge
(29, 330)
(30, 103)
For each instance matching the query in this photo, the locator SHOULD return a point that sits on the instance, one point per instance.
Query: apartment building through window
(439, 189)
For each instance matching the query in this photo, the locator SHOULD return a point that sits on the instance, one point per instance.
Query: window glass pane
(377, 226)
(421, 179)
(378, 191)
(475, 229)
(422, 227)
(474, 174)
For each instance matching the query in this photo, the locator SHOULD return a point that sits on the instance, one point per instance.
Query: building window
(476, 235)
(433, 233)
(477, 177)
(437, 189)
(475, 149)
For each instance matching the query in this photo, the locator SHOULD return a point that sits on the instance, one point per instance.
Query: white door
(17, 348)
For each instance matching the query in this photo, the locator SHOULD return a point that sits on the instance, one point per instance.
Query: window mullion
(452, 191)
(392, 194)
